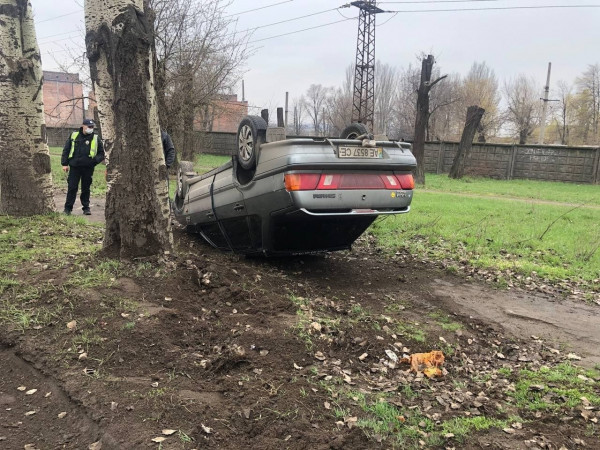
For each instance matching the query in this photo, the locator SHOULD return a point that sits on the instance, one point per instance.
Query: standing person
(81, 153)
(168, 148)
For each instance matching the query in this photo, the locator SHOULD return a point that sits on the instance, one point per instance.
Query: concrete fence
(499, 161)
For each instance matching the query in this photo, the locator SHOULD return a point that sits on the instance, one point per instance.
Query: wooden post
(511, 163)
(474, 115)
(265, 115)
(440, 161)
(596, 168)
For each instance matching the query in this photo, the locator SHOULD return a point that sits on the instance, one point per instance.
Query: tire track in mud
(35, 410)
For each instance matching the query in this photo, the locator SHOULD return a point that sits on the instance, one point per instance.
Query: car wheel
(354, 130)
(184, 168)
(251, 134)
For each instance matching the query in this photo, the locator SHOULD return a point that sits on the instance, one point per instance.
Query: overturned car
(294, 196)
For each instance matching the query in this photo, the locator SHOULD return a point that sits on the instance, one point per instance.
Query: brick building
(224, 116)
(63, 99)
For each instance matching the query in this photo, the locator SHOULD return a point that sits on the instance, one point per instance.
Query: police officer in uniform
(81, 153)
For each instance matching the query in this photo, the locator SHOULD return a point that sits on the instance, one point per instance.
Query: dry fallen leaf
(206, 429)
(169, 432)
(363, 356)
(31, 392)
(72, 325)
(30, 413)
(159, 439)
(62, 415)
(297, 367)
(327, 405)
(21, 388)
(264, 352)
(574, 357)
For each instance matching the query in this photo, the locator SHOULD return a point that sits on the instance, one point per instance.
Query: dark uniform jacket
(81, 154)
(168, 148)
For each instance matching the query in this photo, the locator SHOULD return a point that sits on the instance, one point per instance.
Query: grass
(524, 189)
(43, 243)
(408, 426)
(554, 388)
(553, 241)
(205, 162)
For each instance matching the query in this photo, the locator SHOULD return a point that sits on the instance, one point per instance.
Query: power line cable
(442, 1)
(285, 21)
(304, 29)
(498, 8)
(258, 9)
(58, 17)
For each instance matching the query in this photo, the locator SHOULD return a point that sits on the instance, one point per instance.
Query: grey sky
(509, 41)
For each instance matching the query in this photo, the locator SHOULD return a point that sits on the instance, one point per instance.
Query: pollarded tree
(119, 37)
(25, 175)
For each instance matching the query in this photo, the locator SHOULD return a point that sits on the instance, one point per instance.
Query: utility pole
(243, 92)
(287, 98)
(363, 105)
(545, 106)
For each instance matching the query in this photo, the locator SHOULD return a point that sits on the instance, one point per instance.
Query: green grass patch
(554, 242)
(33, 245)
(205, 162)
(587, 194)
(404, 427)
(445, 322)
(554, 388)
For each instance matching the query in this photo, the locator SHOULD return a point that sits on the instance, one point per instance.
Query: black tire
(354, 130)
(251, 134)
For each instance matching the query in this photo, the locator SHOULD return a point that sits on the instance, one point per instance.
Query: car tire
(354, 130)
(251, 134)
(184, 168)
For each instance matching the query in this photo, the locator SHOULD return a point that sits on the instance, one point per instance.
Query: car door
(230, 214)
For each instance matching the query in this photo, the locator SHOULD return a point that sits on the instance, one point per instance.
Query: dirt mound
(228, 352)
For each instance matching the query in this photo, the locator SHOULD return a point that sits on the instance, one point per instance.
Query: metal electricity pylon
(363, 105)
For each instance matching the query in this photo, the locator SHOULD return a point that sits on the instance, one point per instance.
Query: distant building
(63, 99)
(224, 116)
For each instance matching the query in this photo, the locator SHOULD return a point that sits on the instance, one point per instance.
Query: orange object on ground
(432, 361)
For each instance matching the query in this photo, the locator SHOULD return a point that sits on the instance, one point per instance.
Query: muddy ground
(230, 352)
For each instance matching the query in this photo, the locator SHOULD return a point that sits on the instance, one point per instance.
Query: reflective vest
(93, 147)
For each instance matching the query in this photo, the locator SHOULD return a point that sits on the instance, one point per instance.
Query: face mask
(88, 130)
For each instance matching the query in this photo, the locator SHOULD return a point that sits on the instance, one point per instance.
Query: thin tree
(523, 99)
(422, 116)
(474, 115)
(119, 46)
(315, 100)
(25, 174)
(588, 85)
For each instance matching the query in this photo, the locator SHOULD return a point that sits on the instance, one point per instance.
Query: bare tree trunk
(474, 115)
(119, 45)
(422, 118)
(25, 174)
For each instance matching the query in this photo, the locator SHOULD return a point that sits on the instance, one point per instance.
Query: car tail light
(348, 181)
(301, 181)
(406, 181)
(329, 181)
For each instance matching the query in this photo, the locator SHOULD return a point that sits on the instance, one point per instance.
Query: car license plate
(360, 152)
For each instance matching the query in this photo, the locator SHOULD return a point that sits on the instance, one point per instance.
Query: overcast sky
(509, 41)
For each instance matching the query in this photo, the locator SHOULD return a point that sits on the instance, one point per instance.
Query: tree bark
(422, 118)
(119, 45)
(474, 115)
(25, 174)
